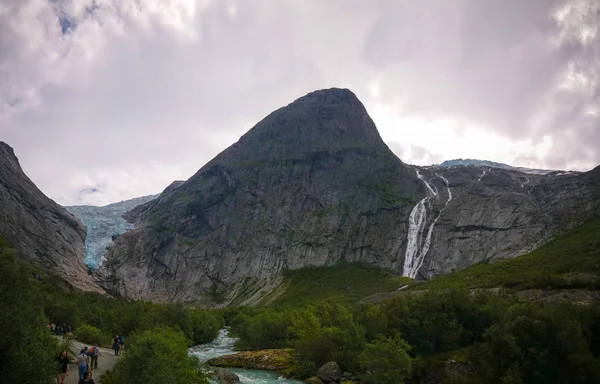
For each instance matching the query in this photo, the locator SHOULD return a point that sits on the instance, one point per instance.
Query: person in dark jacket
(116, 346)
(63, 367)
(87, 378)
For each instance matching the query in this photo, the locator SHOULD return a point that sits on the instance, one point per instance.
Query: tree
(27, 350)
(157, 356)
(385, 360)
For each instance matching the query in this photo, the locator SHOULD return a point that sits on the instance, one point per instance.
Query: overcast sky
(106, 100)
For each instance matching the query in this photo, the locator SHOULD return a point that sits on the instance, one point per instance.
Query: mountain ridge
(313, 184)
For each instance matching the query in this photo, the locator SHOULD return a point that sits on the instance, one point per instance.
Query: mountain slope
(496, 214)
(39, 228)
(569, 260)
(102, 224)
(312, 184)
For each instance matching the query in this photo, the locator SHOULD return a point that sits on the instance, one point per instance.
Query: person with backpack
(93, 354)
(121, 344)
(116, 346)
(83, 361)
(63, 367)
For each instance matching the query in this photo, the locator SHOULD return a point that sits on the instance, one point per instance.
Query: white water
(223, 345)
(483, 174)
(417, 248)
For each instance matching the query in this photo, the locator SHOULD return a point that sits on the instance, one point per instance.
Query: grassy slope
(570, 260)
(343, 282)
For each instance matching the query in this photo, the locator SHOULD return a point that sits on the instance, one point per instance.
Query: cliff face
(310, 185)
(497, 214)
(39, 228)
(313, 184)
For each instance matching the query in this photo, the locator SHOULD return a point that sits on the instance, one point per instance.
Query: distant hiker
(59, 330)
(87, 378)
(116, 346)
(69, 331)
(62, 362)
(93, 353)
(82, 361)
(121, 344)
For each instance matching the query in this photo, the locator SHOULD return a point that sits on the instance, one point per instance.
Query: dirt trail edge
(105, 362)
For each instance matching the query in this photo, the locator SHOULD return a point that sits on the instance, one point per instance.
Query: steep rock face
(39, 228)
(497, 214)
(312, 184)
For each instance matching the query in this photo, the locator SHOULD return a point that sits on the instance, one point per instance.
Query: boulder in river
(329, 371)
(226, 377)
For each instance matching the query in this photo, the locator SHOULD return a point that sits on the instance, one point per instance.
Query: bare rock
(329, 371)
(44, 232)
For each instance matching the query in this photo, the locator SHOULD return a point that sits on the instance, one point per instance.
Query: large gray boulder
(226, 377)
(329, 372)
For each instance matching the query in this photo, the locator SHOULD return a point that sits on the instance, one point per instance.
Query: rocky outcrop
(40, 229)
(313, 184)
(280, 360)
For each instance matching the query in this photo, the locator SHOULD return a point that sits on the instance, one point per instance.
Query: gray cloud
(132, 95)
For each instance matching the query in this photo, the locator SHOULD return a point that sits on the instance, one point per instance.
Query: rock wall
(40, 229)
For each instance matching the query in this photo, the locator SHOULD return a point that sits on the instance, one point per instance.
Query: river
(223, 345)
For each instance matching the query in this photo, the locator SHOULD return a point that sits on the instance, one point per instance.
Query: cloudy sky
(105, 100)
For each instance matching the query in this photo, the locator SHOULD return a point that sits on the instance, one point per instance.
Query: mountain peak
(326, 120)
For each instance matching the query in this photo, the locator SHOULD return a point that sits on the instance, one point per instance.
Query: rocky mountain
(492, 164)
(39, 228)
(103, 225)
(313, 184)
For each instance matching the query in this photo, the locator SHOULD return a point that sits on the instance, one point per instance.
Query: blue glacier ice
(102, 223)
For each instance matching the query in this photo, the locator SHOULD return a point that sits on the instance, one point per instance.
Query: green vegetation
(491, 338)
(569, 261)
(31, 300)
(385, 360)
(91, 335)
(27, 351)
(343, 282)
(158, 355)
(441, 331)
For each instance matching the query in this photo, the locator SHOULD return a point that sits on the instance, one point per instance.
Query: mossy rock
(280, 360)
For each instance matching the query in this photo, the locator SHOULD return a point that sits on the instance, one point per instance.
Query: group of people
(87, 361)
(59, 330)
(118, 344)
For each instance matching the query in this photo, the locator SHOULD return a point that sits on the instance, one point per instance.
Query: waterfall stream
(417, 246)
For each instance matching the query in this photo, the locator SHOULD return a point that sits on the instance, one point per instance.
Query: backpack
(91, 351)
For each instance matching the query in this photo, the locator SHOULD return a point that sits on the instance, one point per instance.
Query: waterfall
(417, 248)
(483, 174)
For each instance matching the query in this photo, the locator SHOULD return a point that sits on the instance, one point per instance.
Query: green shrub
(91, 335)
(385, 360)
(157, 356)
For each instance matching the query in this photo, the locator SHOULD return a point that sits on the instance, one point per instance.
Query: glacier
(103, 224)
